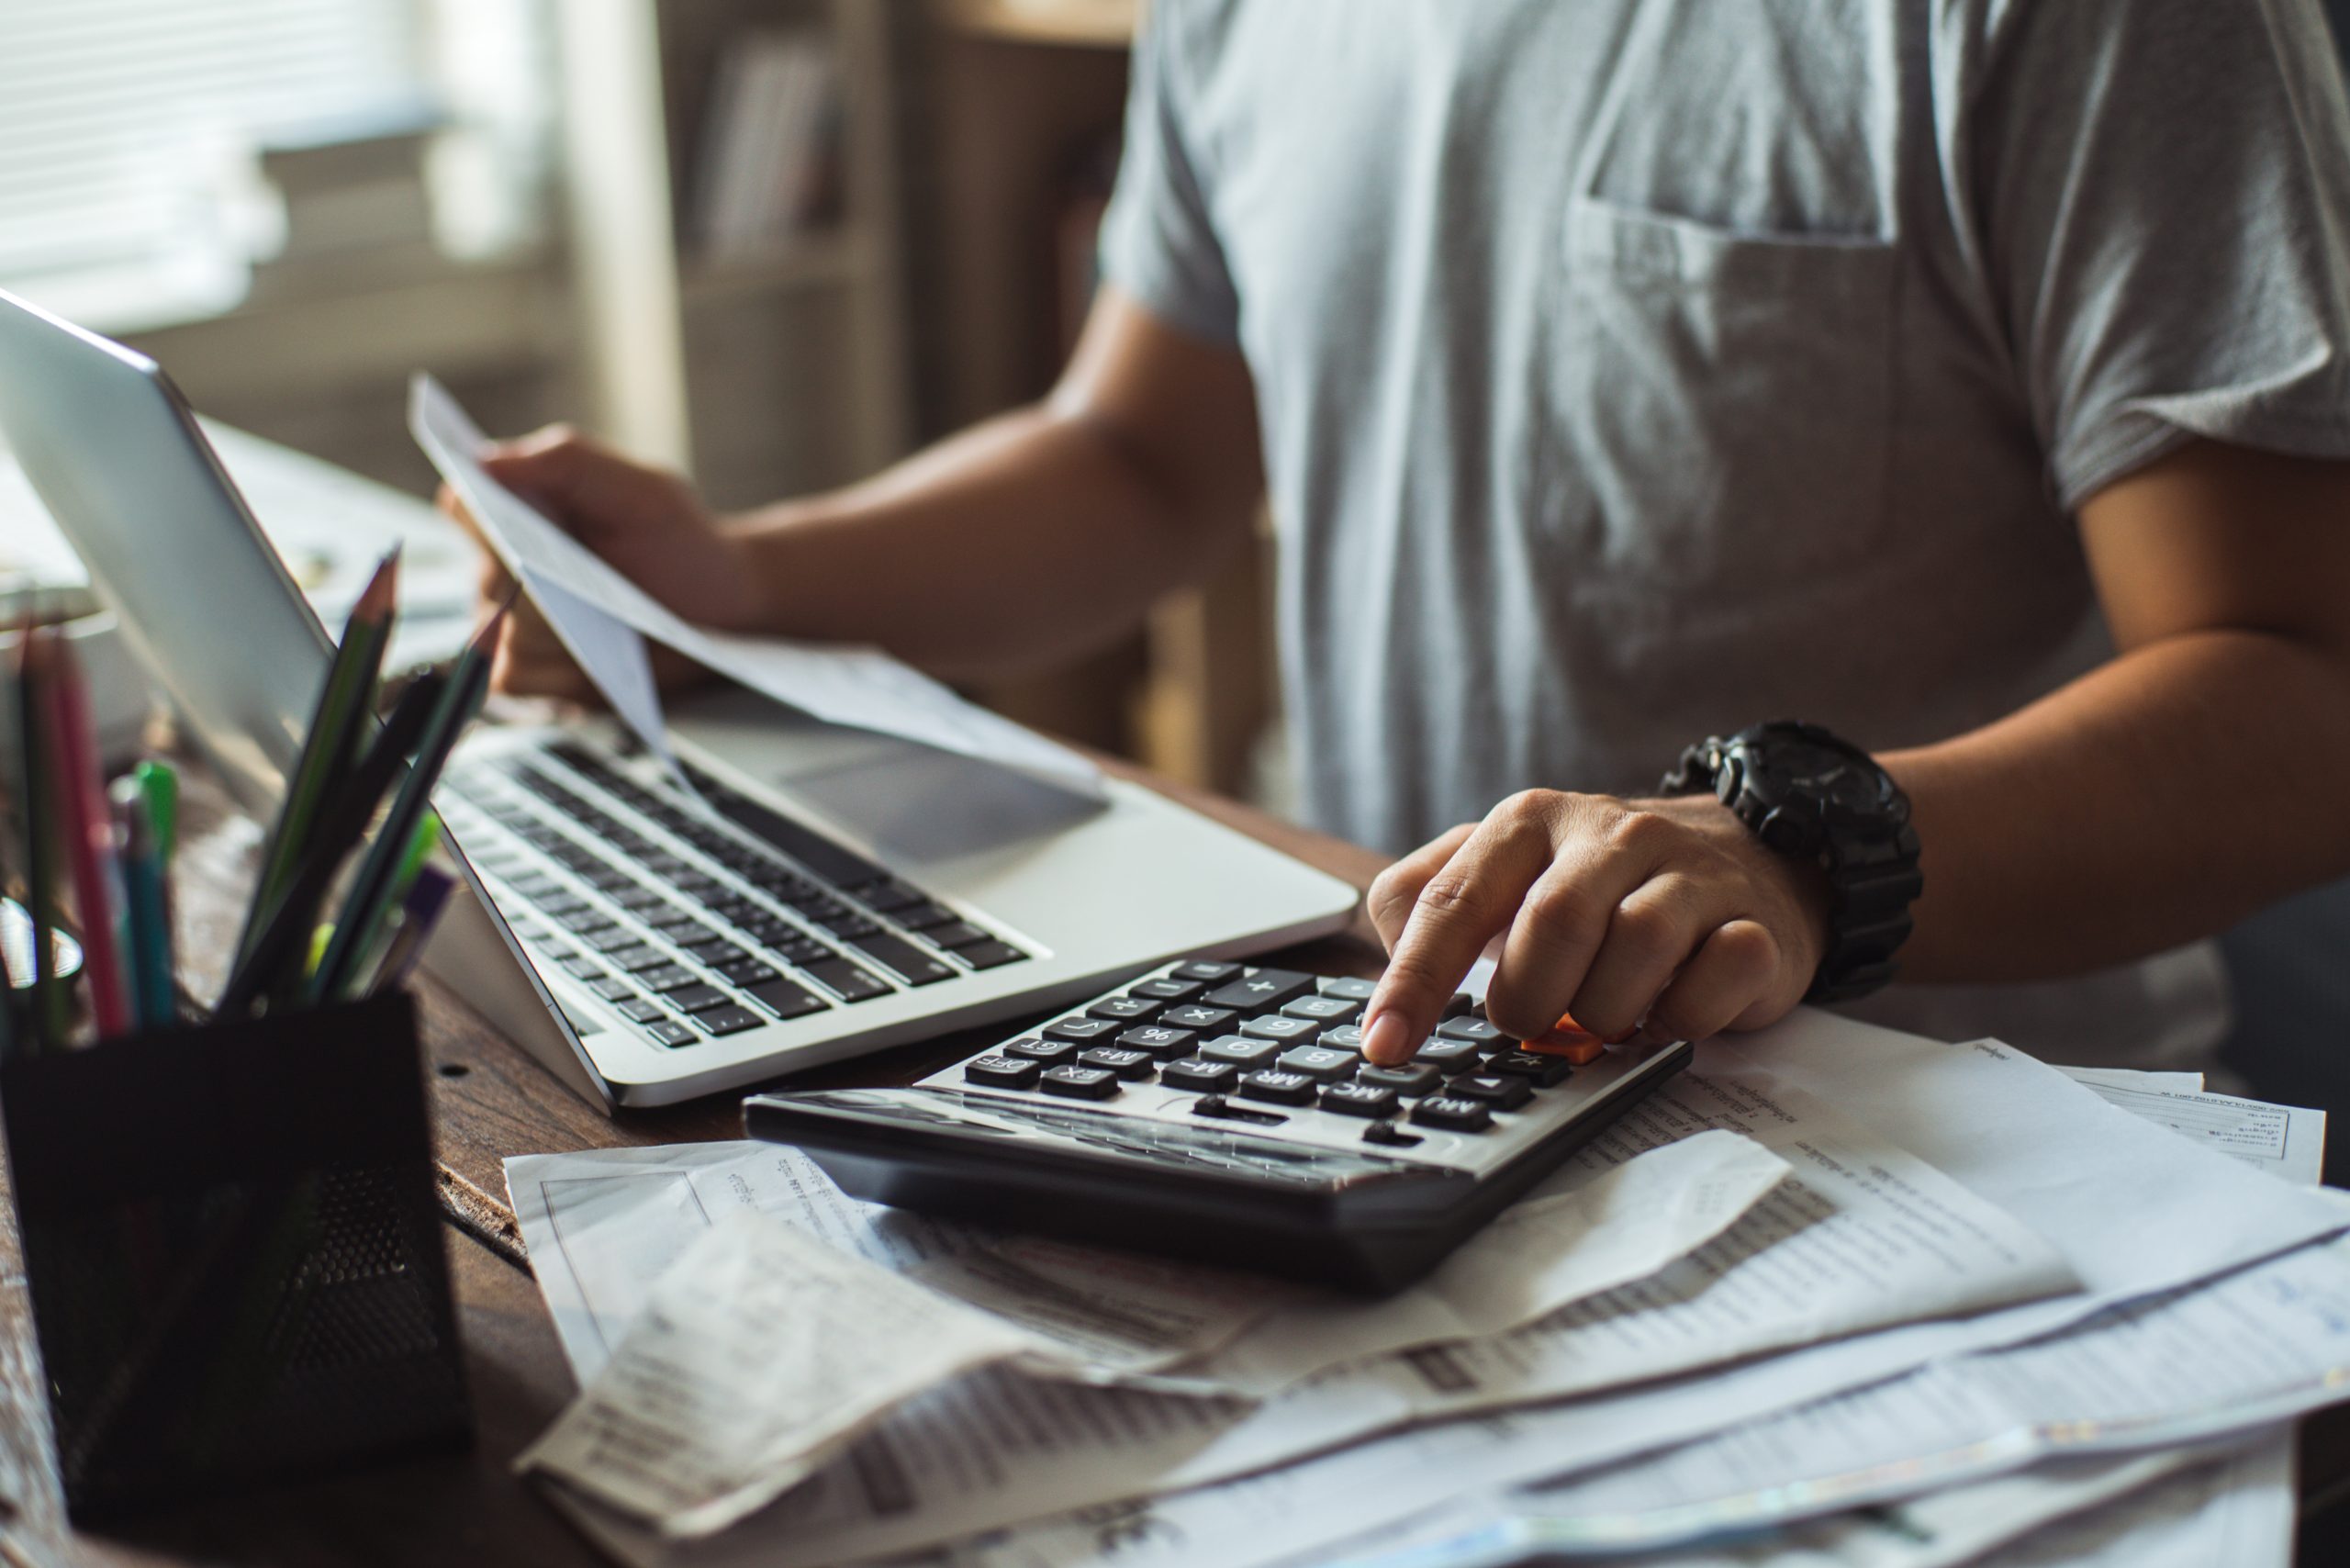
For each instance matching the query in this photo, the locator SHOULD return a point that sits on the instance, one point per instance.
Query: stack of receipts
(1828, 1269)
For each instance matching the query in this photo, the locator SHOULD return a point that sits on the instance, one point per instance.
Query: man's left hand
(1666, 916)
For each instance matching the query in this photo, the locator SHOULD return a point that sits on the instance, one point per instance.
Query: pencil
(47, 1026)
(370, 945)
(87, 831)
(145, 942)
(284, 929)
(364, 905)
(337, 729)
(420, 912)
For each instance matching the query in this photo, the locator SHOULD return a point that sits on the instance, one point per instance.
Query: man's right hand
(646, 521)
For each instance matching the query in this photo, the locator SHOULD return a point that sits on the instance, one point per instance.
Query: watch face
(1826, 774)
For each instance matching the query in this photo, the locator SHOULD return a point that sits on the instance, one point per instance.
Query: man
(1971, 377)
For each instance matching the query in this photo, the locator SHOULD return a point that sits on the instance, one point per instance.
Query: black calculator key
(918, 967)
(730, 1019)
(1323, 1067)
(696, 998)
(1450, 1056)
(1280, 1088)
(954, 933)
(639, 1011)
(1206, 1077)
(668, 976)
(1360, 1099)
(1462, 1005)
(1166, 990)
(1475, 1031)
(1288, 1030)
(1502, 1090)
(1193, 1017)
(611, 990)
(1132, 1066)
(1240, 1052)
(1453, 1115)
(1205, 970)
(990, 954)
(1125, 1009)
(1160, 1041)
(1262, 991)
(1002, 1073)
(1412, 1078)
(747, 972)
(1542, 1069)
(1080, 1083)
(1085, 1031)
(850, 982)
(787, 1000)
(1052, 1053)
(1345, 1038)
(671, 1033)
(1327, 1010)
(1346, 987)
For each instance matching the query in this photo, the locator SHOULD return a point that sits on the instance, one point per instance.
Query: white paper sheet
(857, 687)
(2285, 1141)
(2236, 1514)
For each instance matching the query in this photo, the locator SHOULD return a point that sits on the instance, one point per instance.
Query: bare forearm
(2154, 801)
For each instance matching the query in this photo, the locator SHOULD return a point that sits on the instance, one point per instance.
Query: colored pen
(148, 938)
(371, 944)
(363, 906)
(338, 729)
(420, 912)
(87, 830)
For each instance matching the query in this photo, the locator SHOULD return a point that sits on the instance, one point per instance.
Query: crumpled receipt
(763, 1349)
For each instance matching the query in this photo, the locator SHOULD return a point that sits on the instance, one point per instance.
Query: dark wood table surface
(490, 1100)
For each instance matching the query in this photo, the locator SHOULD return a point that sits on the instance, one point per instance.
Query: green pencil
(339, 727)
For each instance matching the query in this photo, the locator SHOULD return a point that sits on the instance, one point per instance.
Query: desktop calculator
(1222, 1112)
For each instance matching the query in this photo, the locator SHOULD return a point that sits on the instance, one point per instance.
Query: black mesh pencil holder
(234, 1254)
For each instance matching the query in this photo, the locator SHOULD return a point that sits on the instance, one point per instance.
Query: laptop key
(582, 968)
(896, 953)
(611, 990)
(729, 1020)
(787, 1000)
(637, 1010)
(990, 954)
(715, 951)
(669, 1032)
(746, 972)
(669, 976)
(642, 956)
(955, 933)
(851, 983)
(699, 998)
(921, 916)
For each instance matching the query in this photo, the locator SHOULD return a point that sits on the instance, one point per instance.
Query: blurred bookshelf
(735, 212)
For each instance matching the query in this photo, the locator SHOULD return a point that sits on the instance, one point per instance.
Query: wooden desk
(490, 1100)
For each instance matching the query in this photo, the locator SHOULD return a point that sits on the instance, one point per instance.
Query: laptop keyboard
(694, 929)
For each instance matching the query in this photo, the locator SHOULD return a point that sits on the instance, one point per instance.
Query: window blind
(114, 113)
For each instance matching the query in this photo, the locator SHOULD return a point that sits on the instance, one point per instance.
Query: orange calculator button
(1575, 1043)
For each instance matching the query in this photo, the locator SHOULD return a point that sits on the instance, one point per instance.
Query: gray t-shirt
(1634, 370)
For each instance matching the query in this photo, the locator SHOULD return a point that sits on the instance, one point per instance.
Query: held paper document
(603, 618)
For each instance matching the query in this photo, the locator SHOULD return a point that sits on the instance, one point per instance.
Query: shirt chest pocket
(1718, 405)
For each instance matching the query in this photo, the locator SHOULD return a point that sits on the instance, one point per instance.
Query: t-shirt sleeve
(1158, 243)
(2160, 192)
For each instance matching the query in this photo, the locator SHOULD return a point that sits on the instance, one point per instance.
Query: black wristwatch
(1813, 797)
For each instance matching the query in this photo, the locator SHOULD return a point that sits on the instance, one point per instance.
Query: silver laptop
(831, 892)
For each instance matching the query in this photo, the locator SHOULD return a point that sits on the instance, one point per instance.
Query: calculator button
(1160, 1041)
(1200, 1018)
(1462, 1005)
(990, 954)
(1080, 1083)
(1124, 1009)
(728, 1020)
(1450, 1056)
(1544, 1070)
(1085, 1031)
(1288, 1030)
(1050, 1052)
(1323, 1067)
(1281, 1088)
(787, 1000)
(1502, 1090)
(1206, 971)
(1412, 1078)
(1573, 1045)
(1240, 1052)
(1262, 991)
(1328, 1010)
(1002, 1073)
(1475, 1031)
(1391, 1134)
(1128, 1065)
(1166, 990)
(1347, 988)
(1345, 1038)
(1453, 1115)
(671, 1034)
(1206, 1077)
(1359, 1100)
